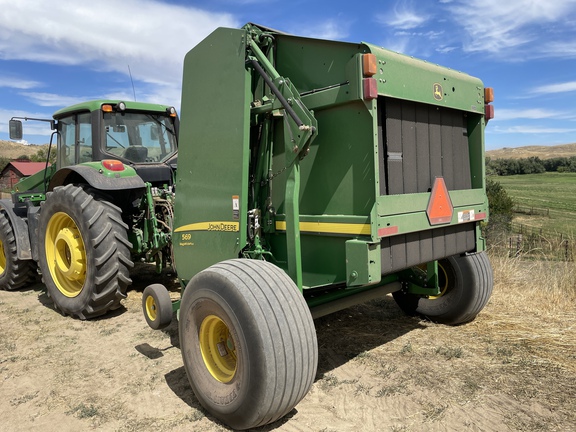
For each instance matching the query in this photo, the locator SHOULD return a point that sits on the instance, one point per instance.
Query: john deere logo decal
(438, 93)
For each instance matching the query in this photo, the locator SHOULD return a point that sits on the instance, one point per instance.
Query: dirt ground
(378, 371)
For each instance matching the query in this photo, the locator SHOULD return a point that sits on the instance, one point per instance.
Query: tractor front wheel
(248, 342)
(85, 255)
(14, 273)
(465, 287)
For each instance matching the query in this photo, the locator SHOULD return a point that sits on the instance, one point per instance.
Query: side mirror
(15, 130)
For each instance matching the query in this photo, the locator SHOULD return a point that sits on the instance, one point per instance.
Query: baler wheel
(85, 255)
(14, 273)
(465, 287)
(248, 342)
(157, 306)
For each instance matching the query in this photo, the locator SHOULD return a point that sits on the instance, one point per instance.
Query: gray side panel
(407, 250)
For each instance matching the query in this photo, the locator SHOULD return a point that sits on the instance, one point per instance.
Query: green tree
(501, 207)
(42, 153)
(3, 162)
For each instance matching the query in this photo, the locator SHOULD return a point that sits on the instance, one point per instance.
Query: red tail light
(370, 88)
(113, 165)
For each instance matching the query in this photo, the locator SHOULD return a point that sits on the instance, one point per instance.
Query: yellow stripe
(211, 226)
(329, 227)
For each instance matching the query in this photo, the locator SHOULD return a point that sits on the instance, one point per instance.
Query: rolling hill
(543, 152)
(12, 150)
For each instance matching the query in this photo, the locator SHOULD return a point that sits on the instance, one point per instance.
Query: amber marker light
(369, 65)
(488, 95)
(107, 108)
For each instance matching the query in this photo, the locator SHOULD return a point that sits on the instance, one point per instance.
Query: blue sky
(55, 53)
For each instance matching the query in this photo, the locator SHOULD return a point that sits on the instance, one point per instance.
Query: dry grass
(12, 150)
(512, 369)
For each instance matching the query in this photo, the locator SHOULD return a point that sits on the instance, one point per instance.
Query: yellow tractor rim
(2, 258)
(65, 254)
(218, 348)
(151, 308)
(442, 282)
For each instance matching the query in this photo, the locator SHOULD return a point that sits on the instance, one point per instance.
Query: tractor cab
(143, 136)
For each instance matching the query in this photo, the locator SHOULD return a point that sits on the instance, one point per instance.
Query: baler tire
(85, 253)
(157, 306)
(466, 283)
(14, 273)
(248, 342)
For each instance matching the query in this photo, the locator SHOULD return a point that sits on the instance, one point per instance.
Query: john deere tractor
(106, 202)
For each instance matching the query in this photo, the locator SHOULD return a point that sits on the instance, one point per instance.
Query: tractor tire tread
(18, 273)
(111, 253)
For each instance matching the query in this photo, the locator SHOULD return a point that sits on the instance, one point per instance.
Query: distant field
(556, 191)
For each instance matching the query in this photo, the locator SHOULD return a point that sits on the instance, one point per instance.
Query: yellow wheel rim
(2, 258)
(442, 282)
(65, 254)
(151, 308)
(218, 348)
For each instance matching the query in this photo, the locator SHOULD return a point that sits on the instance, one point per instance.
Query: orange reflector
(113, 165)
(369, 65)
(440, 207)
(107, 108)
(370, 88)
(488, 95)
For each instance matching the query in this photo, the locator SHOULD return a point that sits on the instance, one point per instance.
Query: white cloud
(331, 29)
(399, 44)
(531, 113)
(560, 49)
(569, 86)
(445, 49)
(17, 83)
(495, 26)
(404, 16)
(150, 36)
(532, 130)
(53, 100)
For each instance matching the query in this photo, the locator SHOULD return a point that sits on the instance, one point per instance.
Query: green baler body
(365, 184)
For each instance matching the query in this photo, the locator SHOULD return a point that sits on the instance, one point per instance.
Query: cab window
(74, 140)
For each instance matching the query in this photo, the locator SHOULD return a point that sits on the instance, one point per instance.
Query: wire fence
(531, 210)
(540, 243)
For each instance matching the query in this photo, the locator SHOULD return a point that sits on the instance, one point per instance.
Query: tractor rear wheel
(14, 273)
(248, 342)
(85, 252)
(465, 287)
